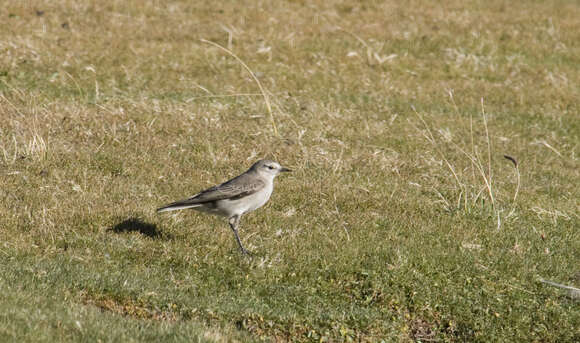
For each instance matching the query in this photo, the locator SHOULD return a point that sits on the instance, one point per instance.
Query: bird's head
(268, 168)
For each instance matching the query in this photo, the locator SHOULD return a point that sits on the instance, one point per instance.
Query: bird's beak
(285, 170)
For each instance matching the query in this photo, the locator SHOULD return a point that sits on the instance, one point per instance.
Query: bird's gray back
(236, 188)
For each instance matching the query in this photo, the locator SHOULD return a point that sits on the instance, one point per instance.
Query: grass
(403, 220)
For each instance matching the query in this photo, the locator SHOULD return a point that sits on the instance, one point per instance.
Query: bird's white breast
(248, 203)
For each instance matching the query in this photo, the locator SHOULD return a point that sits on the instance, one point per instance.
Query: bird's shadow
(134, 224)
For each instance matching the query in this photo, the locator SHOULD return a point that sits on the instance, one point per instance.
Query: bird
(234, 198)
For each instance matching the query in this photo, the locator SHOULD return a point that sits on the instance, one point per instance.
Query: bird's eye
(270, 167)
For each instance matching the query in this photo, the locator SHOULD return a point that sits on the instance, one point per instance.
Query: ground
(434, 148)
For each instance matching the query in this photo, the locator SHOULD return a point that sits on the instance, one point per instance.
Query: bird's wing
(236, 188)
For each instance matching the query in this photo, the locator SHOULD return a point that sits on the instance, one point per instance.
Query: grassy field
(403, 221)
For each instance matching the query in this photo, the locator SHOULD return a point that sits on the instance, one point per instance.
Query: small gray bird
(242, 194)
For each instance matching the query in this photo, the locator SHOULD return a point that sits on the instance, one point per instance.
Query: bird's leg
(234, 221)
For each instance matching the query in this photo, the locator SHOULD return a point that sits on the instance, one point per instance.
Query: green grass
(386, 230)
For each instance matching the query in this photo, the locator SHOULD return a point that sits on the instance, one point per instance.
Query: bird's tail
(180, 205)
